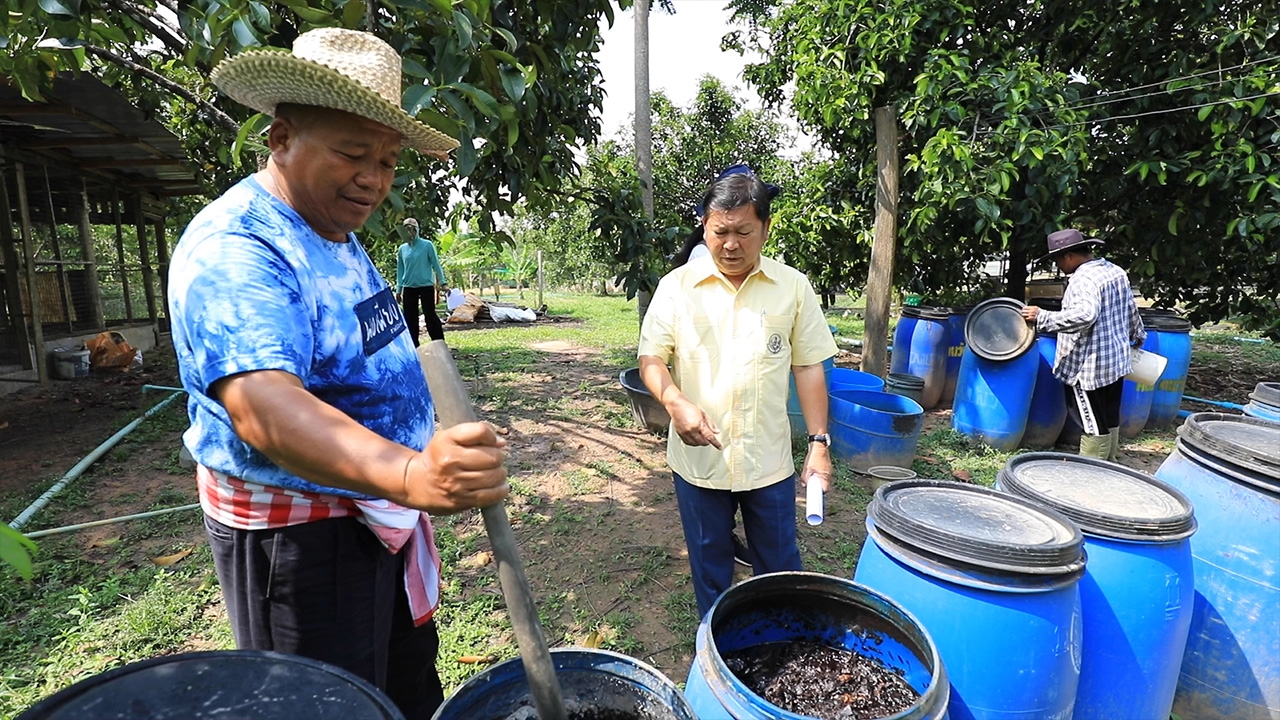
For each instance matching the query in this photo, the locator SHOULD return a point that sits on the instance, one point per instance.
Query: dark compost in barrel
(818, 681)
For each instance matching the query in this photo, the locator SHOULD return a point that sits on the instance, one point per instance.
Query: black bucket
(223, 684)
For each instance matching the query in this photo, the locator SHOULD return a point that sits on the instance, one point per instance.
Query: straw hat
(334, 68)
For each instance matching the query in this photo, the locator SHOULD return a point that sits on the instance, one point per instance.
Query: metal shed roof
(88, 131)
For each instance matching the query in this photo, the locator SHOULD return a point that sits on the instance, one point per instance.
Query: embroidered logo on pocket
(775, 343)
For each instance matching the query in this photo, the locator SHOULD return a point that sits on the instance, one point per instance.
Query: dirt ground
(592, 504)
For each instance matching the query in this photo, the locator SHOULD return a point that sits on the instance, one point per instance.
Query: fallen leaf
(962, 475)
(478, 659)
(503, 431)
(477, 560)
(164, 560)
(593, 640)
(104, 542)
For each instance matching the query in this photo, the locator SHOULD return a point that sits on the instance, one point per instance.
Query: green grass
(73, 620)
(944, 453)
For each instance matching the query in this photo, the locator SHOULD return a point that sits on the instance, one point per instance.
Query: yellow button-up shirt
(731, 352)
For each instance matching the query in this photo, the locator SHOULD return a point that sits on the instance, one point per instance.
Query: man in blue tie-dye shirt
(311, 423)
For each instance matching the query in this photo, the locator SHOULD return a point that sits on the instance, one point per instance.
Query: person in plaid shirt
(1097, 326)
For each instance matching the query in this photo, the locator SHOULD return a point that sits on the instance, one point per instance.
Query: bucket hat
(346, 70)
(1064, 240)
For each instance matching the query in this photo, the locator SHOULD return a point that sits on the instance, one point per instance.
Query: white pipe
(108, 521)
(84, 464)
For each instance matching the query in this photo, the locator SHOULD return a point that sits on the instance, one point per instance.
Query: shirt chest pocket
(697, 342)
(775, 338)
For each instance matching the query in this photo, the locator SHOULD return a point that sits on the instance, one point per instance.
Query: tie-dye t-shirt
(253, 287)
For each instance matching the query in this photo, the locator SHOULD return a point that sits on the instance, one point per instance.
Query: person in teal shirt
(418, 274)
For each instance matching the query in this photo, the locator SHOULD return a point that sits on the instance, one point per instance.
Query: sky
(682, 48)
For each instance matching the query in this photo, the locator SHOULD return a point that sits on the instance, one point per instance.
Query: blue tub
(589, 680)
(1173, 340)
(920, 343)
(1229, 466)
(849, 379)
(794, 416)
(993, 398)
(995, 581)
(808, 607)
(1048, 411)
(874, 428)
(1135, 595)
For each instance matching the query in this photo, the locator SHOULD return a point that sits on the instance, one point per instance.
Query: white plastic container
(69, 364)
(1147, 366)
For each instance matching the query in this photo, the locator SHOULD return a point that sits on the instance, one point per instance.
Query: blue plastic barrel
(1229, 466)
(594, 683)
(920, 348)
(994, 579)
(1173, 338)
(808, 607)
(1264, 402)
(1048, 411)
(874, 428)
(955, 350)
(850, 379)
(247, 684)
(1135, 596)
(1135, 399)
(794, 415)
(993, 398)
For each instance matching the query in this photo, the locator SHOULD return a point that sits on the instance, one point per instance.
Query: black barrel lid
(904, 380)
(1248, 442)
(1167, 323)
(978, 526)
(961, 310)
(247, 684)
(995, 329)
(1267, 393)
(926, 312)
(1103, 498)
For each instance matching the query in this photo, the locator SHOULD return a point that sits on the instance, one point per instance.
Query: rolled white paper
(813, 500)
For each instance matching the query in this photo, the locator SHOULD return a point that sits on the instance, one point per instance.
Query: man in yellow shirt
(732, 326)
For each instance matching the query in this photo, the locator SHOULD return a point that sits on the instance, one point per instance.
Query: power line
(1186, 77)
(1100, 121)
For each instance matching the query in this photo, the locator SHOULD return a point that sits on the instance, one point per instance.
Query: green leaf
(243, 33)
(414, 68)
(353, 13)
(16, 550)
(463, 25)
(1204, 112)
(417, 97)
(61, 8)
(1173, 223)
(466, 156)
(513, 83)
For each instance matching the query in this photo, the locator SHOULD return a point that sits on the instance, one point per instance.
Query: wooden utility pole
(884, 245)
(643, 128)
(540, 286)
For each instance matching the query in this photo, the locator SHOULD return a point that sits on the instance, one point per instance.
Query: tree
(1019, 118)
(516, 82)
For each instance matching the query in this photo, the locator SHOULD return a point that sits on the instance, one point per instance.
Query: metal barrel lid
(1250, 443)
(995, 329)
(1267, 393)
(978, 526)
(1104, 498)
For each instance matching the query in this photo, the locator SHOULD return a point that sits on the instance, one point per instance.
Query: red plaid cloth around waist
(246, 505)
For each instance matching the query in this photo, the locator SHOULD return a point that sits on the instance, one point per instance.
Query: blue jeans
(768, 517)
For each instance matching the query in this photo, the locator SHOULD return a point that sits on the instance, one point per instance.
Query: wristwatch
(823, 438)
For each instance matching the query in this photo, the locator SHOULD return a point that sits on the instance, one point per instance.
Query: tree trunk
(644, 129)
(884, 243)
(1015, 275)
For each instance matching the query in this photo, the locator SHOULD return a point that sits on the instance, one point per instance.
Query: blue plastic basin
(871, 428)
